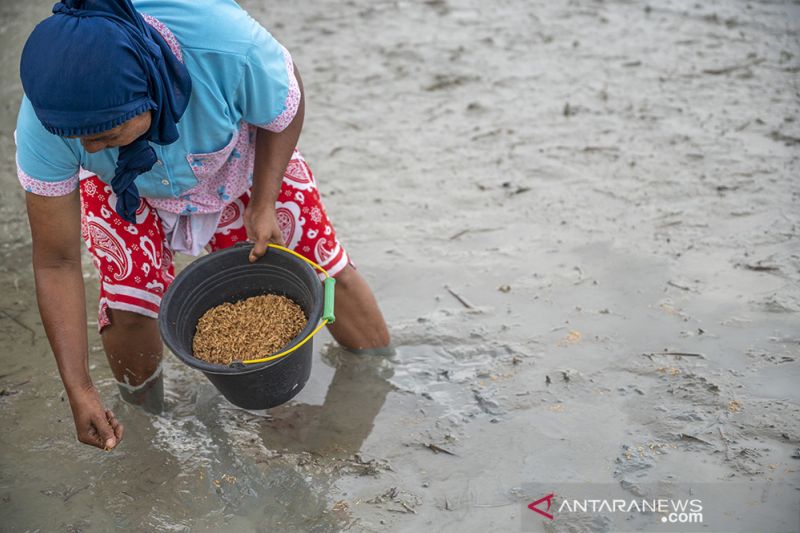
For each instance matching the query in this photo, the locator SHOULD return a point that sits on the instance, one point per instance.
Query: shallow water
(580, 177)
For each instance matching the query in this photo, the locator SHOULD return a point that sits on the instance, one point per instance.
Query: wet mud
(581, 221)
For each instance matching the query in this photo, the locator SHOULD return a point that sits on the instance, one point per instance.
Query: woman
(150, 127)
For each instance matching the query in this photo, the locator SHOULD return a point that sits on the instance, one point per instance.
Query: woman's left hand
(262, 227)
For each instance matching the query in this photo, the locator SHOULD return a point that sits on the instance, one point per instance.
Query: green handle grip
(327, 306)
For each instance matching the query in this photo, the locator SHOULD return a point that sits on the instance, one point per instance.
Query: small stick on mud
(24, 326)
(73, 492)
(761, 268)
(782, 137)
(399, 511)
(11, 390)
(410, 509)
(676, 354)
(438, 449)
(681, 287)
(692, 438)
(590, 148)
(459, 298)
(471, 230)
(459, 234)
(732, 68)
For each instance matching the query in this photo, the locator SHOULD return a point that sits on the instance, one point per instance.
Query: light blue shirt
(239, 73)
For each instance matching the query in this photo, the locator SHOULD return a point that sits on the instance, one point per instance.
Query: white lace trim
(47, 188)
(292, 103)
(166, 33)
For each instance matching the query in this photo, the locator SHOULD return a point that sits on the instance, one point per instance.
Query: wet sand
(546, 197)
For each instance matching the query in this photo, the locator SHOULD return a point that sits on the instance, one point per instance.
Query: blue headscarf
(95, 64)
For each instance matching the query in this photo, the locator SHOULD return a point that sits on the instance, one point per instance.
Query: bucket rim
(315, 314)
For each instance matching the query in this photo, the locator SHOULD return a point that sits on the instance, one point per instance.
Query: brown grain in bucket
(248, 329)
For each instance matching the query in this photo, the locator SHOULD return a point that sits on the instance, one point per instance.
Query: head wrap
(95, 64)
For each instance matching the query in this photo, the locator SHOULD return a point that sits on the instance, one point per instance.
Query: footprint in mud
(778, 303)
(448, 375)
(697, 422)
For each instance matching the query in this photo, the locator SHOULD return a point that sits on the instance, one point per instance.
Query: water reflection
(345, 419)
(225, 466)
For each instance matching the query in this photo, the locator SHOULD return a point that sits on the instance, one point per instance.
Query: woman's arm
(56, 230)
(273, 152)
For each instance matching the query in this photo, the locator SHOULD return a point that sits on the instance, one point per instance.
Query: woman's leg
(359, 322)
(134, 266)
(133, 347)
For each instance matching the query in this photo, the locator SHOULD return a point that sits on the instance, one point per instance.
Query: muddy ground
(546, 197)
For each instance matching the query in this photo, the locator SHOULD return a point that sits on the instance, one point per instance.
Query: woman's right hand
(95, 425)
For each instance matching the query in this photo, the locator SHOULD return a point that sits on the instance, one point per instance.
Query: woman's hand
(96, 426)
(262, 227)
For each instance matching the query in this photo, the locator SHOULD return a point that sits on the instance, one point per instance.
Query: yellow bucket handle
(327, 314)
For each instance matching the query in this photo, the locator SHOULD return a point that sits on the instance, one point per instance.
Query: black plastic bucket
(227, 276)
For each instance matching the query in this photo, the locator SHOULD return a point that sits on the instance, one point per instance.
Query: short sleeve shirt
(241, 77)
